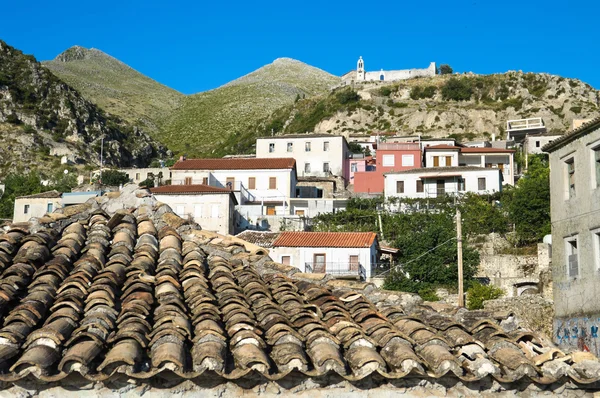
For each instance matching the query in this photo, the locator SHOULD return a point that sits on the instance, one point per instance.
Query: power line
(421, 255)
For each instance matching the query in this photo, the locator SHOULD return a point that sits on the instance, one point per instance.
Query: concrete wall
(138, 175)
(214, 212)
(441, 155)
(335, 155)
(360, 165)
(37, 207)
(534, 143)
(576, 219)
(392, 75)
(388, 160)
(502, 161)
(492, 178)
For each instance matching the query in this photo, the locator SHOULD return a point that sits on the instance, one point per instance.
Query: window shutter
(573, 266)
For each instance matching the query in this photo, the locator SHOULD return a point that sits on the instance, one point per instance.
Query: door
(188, 181)
(441, 187)
(319, 263)
(436, 161)
(353, 263)
(270, 210)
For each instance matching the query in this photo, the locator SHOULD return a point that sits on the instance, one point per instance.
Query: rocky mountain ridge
(41, 116)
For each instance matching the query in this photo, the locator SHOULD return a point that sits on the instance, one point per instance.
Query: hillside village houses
(575, 216)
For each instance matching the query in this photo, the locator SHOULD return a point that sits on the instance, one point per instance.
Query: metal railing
(337, 269)
(523, 124)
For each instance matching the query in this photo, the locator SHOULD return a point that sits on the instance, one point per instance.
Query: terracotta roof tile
(486, 150)
(259, 238)
(325, 239)
(235, 164)
(188, 189)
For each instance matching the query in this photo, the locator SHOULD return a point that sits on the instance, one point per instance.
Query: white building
(36, 205)
(345, 254)
(360, 75)
(439, 181)
(211, 207)
(318, 155)
(533, 143)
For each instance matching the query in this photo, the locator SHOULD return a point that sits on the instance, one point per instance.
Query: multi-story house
(575, 213)
(317, 155)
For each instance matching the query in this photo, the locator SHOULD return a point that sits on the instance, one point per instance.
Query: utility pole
(461, 293)
(101, 155)
(380, 224)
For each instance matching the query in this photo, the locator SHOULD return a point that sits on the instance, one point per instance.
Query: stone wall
(532, 311)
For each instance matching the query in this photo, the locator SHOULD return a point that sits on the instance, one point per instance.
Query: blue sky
(199, 45)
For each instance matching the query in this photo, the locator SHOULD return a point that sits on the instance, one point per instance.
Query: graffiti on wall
(578, 333)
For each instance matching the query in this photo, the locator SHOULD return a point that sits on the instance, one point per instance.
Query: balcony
(341, 270)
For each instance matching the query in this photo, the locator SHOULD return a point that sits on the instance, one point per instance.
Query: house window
(571, 177)
(290, 146)
(26, 209)
(537, 144)
(353, 167)
(481, 183)
(271, 147)
(214, 211)
(137, 176)
(300, 213)
(197, 211)
(307, 167)
(448, 161)
(399, 186)
(597, 165)
(187, 181)
(353, 260)
(205, 180)
(326, 167)
(271, 210)
(307, 147)
(285, 260)
(488, 165)
(49, 207)
(326, 146)
(572, 254)
(298, 192)
(408, 160)
(319, 263)
(596, 239)
(272, 182)
(180, 210)
(436, 161)
(251, 182)
(230, 182)
(388, 160)
(461, 184)
(420, 187)
(319, 193)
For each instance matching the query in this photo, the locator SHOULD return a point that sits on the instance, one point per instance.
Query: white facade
(213, 211)
(441, 157)
(433, 182)
(27, 207)
(533, 143)
(339, 258)
(391, 75)
(316, 155)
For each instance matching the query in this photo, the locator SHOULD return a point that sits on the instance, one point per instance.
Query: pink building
(354, 166)
(390, 157)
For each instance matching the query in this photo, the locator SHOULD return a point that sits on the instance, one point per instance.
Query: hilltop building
(575, 214)
(360, 75)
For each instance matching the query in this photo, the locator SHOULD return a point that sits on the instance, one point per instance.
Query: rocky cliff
(41, 116)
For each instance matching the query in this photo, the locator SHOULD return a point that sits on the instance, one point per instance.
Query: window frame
(569, 252)
(49, 207)
(271, 147)
(596, 247)
(290, 147)
(353, 167)
(326, 167)
(272, 182)
(436, 161)
(26, 209)
(325, 146)
(571, 189)
(595, 157)
(387, 164)
(307, 146)
(408, 163)
(479, 180)
(251, 182)
(307, 167)
(400, 186)
(420, 186)
(461, 184)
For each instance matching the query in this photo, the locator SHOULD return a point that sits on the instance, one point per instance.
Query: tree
(445, 69)
(148, 183)
(528, 203)
(114, 177)
(457, 89)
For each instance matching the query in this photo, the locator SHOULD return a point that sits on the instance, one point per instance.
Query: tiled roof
(142, 294)
(259, 238)
(42, 195)
(235, 164)
(325, 239)
(433, 170)
(486, 150)
(188, 189)
(442, 146)
(573, 134)
(292, 136)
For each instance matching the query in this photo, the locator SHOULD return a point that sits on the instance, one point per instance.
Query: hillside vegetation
(115, 87)
(206, 122)
(467, 107)
(42, 118)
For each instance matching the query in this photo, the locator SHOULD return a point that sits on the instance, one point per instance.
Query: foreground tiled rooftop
(117, 287)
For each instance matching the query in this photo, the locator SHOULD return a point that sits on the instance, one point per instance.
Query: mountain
(43, 118)
(115, 87)
(205, 122)
(466, 107)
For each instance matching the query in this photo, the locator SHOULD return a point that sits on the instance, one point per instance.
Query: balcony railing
(524, 124)
(337, 269)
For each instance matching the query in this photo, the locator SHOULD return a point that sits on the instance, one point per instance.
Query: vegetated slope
(208, 121)
(466, 107)
(43, 118)
(115, 87)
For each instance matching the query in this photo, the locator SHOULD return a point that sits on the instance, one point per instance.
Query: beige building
(211, 207)
(575, 212)
(36, 205)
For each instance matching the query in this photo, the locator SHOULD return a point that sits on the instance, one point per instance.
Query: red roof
(325, 239)
(235, 164)
(188, 189)
(486, 150)
(442, 146)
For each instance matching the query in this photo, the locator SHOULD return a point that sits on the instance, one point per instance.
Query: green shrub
(445, 69)
(479, 293)
(457, 89)
(347, 96)
(422, 92)
(148, 183)
(13, 119)
(385, 91)
(428, 294)
(576, 109)
(114, 177)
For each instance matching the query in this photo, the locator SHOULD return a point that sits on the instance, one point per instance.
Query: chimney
(493, 137)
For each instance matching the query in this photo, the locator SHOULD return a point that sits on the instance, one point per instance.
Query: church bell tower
(360, 69)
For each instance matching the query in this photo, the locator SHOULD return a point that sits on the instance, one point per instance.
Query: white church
(359, 75)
